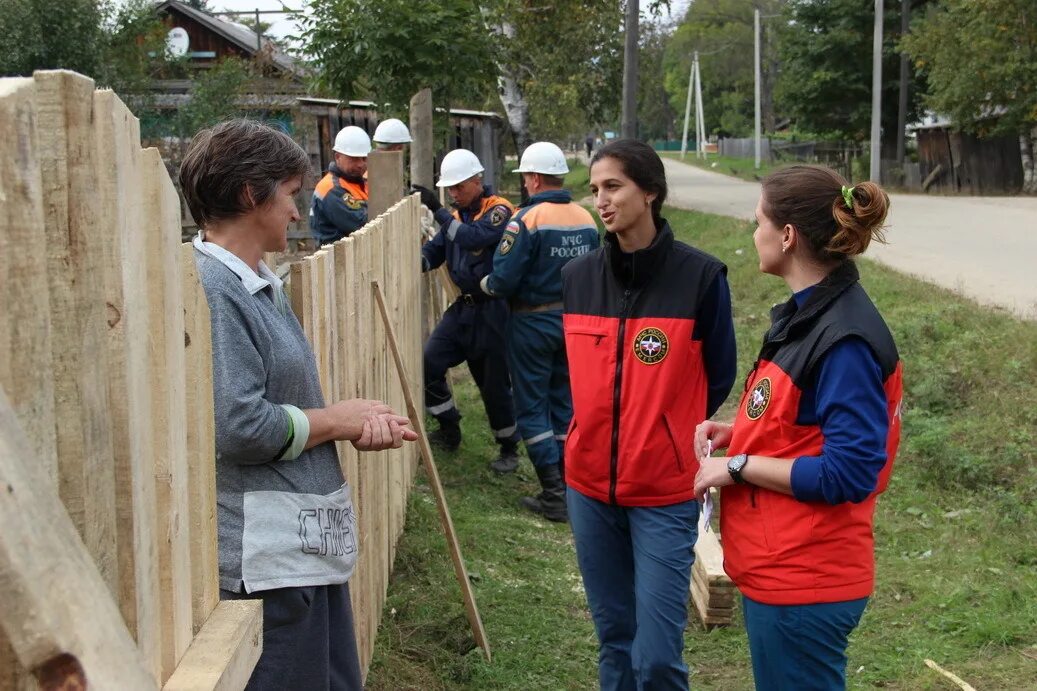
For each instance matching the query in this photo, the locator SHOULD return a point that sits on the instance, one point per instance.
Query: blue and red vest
(639, 384)
(777, 549)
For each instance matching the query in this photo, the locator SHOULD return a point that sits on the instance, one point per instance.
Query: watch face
(736, 463)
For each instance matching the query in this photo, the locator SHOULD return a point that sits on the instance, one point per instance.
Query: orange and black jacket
(651, 352)
(780, 549)
(339, 206)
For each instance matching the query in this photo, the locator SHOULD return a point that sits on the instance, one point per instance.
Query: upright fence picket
(98, 589)
(331, 293)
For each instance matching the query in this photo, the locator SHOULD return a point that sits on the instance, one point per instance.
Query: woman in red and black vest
(814, 438)
(651, 352)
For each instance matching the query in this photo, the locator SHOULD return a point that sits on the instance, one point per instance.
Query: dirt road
(982, 247)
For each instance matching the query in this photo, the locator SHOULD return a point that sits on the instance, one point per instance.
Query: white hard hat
(543, 157)
(352, 141)
(392, 131)
(458, 166)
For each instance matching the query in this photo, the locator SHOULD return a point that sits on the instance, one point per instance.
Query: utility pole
(876, 97)
(756, 87)
(630, 71)
(687, 111)
(701, 148)
(905, 76)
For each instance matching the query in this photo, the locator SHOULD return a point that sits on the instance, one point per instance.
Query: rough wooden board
(119, 193)
(715, 597)
(710, 557)
(384, 181)
(67, 153)
(422, 146)
(54, 599)
(169, 415)
(225, 651)
(201, 443)
(25, 331)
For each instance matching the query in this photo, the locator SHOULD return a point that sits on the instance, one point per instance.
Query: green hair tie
(848, 197)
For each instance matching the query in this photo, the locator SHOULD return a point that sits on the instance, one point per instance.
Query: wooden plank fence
(108, 567)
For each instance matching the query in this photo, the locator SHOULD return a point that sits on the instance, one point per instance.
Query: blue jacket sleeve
(511, 260)
(477, 235)
(346, 220)
(851, 409)
(433, 252)
(715, 328)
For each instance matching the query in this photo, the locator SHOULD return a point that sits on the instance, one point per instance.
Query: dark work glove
(428, 198)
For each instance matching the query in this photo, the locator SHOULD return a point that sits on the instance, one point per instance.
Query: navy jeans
(800, 647)
(636, 567)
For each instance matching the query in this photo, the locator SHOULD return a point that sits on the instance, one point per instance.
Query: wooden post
(120, 194)
(68, 155)
(422, 151)
(471, 608)
(384, 180)
(169, 415)
(226, 650)
(55, 602)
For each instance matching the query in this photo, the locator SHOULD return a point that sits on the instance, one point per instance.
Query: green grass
(744, 168)
(955, 532)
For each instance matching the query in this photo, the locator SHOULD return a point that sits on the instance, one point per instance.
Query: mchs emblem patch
(758, 400)
(651, 345)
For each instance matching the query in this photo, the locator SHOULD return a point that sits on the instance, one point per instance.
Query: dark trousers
(636, 568)
(543, 404)
(800, 647)
(308, 640)
(473, 334)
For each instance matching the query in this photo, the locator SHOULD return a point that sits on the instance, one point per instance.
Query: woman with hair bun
(814, 436)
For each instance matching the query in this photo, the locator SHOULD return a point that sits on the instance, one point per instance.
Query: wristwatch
(735, 465)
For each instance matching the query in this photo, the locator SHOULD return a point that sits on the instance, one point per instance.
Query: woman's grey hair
(236, 166)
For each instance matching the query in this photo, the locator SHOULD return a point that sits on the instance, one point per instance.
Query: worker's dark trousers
(308, 639)
(472, 333)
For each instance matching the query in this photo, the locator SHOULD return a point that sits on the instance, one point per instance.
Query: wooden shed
(954, 162)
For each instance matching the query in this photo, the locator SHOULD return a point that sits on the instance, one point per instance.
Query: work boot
(447, 437)
(507, 462)
(550, 503)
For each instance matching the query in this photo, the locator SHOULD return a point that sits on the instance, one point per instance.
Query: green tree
(389, 49)
(656, 115)
(722, 33)
(979, 58)
(826, 69)
(37, 35)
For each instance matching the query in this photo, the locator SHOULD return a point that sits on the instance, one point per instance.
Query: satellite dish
(177, 42)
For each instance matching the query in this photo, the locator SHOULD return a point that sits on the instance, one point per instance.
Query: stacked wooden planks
(712, 592)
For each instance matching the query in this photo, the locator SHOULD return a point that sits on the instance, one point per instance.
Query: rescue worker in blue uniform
(340, 198)
(546, 233)
(472, 329)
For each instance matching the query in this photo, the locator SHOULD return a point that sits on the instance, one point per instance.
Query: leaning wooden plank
(68, 153)
(25, 330)
(225, 651)
(55, 602)
(169, 414)
(460, 572)
(201, 443)
(119, 192)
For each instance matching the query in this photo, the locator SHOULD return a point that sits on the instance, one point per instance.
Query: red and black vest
(779, 550)
(639, 385)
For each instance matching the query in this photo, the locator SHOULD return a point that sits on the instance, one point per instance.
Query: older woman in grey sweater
(286, 524)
